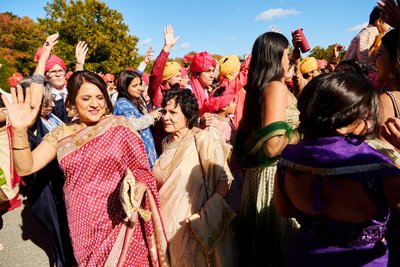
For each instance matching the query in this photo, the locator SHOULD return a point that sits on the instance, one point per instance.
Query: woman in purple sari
(338, 181)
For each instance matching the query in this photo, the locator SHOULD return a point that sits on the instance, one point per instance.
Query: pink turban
(322, 63)
(53, 60)
(184, 72)
(108, 77)
(146, 78)
(201, 62)
(216, 103)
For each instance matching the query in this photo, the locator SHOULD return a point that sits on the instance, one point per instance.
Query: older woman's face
(173, 118)
(46, 108)
(90, 103)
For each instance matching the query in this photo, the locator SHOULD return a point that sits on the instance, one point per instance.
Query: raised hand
(51, 41)
(393, 131)
(169, 39)
(20, 113)
(80, 53)
(390, 12)
(148, 55)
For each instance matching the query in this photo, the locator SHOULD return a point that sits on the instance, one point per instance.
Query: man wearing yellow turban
(229, 67)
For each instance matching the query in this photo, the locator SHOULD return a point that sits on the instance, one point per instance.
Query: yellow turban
(228, 65)
(308, 65)
(171, 69)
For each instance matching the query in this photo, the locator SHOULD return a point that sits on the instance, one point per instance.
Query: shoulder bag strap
(201, 165)
(394, 102)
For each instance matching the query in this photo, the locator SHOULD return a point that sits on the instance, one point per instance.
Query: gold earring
(107, 111)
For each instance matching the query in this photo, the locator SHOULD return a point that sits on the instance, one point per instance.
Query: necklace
(83, 138)
(166, 155)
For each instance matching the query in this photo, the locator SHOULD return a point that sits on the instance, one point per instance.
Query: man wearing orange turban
(233, 76)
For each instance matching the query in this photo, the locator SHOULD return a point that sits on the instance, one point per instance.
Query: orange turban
(171, 69)
(228, 65)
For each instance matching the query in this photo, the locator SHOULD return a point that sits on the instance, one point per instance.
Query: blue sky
(227, 27)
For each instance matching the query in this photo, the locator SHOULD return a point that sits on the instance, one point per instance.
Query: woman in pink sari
(95, 152)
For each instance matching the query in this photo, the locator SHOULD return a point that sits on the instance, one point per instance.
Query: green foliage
(6, 70)
(324, 53)
(19, 40)
(111, 48)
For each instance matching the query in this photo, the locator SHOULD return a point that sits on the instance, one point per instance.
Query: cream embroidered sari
(207, 240)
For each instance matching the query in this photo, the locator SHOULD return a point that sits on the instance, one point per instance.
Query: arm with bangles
(23, 112)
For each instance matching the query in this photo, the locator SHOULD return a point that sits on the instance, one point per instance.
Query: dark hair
(188, 103)
(354, 66)
(375, 15)
(265, 66)
(391, 42)
(124, 80)
(80, 77)
(337, 99)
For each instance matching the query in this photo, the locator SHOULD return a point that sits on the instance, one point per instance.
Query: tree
(6, 70)
(111, 48)
(19, 40)
(322, 53)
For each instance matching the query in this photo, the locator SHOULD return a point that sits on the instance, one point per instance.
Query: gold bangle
(20, 148)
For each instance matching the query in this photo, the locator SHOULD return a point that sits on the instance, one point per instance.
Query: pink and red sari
(94, 161)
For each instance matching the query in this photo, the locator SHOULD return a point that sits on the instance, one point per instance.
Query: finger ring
(46, 43)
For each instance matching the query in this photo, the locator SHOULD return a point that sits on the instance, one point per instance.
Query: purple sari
(323, 241)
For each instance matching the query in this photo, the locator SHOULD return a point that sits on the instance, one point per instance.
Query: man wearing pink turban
(201, 76)
(55, 70)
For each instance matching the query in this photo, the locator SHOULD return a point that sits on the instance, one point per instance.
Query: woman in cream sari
(193, 178)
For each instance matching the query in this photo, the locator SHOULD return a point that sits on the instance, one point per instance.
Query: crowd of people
(278, 160)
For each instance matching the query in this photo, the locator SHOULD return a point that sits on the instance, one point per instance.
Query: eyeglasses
(56, 73)
(110, 81)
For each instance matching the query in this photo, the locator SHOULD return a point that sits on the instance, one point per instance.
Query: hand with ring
(51, 41)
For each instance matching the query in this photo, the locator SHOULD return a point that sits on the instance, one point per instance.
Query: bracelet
(20, 148)
(38, 78)
(77, 63)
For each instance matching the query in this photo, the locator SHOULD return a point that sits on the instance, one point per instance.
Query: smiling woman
(94, 170)
(193, 172)
(131, 104)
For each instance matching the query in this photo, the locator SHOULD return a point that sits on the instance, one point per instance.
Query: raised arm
(146, 59)
(38, 77)
(80, 54)
(21, 114)
(154, 90)
(390, 12)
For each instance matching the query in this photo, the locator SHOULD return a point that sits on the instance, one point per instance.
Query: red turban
(15, 79)
(201, 62)
(184, 72)
(108, 77)
(216, 103)
(146, 78)
(53, 60)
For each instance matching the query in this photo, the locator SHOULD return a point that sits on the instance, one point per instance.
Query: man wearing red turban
(55, 70)
(201, 76)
